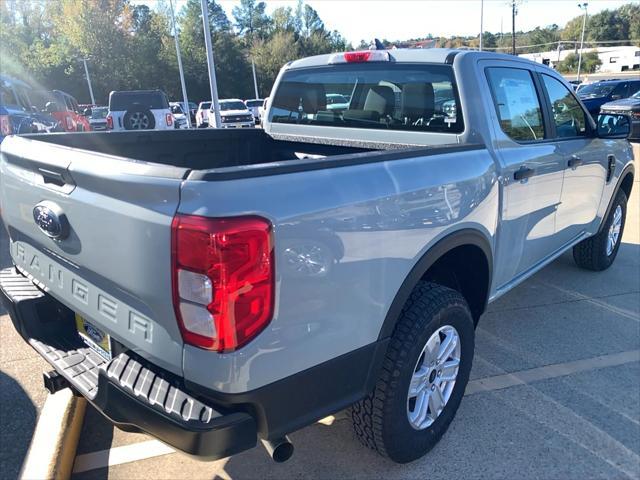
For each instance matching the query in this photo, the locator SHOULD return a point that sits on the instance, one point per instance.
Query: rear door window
(368, 95)
(516, 102)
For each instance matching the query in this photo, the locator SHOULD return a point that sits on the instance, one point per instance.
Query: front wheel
(597, 253)
(423, 377)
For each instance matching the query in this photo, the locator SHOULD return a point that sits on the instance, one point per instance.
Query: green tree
(590, 63)
(270, 55)
(283, 20)
(251, 19)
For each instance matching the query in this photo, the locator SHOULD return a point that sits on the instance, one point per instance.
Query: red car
(64, 108)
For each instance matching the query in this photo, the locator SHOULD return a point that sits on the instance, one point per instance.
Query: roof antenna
(376, 45)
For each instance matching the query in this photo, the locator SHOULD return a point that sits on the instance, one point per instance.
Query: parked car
(191, 107)
(628, 106)
(139, 110)
(214, 287)
(97, 117)
(336, 101)
(179, 117)
(597, 94)
(64, 108)
(254, 106)
(263, 108)
(18, 113)
(233, 114)
(202, 115)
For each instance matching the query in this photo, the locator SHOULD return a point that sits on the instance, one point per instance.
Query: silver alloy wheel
(434, 377)
(614, 230)
(139, 121)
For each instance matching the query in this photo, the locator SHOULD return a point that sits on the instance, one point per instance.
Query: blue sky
(404, 19)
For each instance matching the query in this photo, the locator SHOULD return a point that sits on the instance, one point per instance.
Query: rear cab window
(403, 96)
(120, 101)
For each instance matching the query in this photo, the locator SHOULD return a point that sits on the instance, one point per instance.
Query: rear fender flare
(458, 238)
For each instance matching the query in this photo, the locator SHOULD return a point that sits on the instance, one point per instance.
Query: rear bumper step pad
(126, 390)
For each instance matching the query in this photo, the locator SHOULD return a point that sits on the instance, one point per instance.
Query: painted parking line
(623, 312)
(120, 455)
(155, 448)
(522, 377)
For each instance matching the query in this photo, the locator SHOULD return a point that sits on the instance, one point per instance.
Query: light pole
(86, 73)
(582, 6)
(481, 19)
(255, 81)
(514, 12)
(184, 87)
(212, 67)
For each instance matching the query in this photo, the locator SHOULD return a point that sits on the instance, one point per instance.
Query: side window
(69, 103)
(621, 91)
(568, 116)
(517, 103)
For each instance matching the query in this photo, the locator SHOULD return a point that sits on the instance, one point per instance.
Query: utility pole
(481, 23)
(215, 106)
(514, 11)
(582, 6)
(255, 81)
(86, 72)
(184, 87)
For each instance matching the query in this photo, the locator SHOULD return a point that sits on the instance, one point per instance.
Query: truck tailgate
(111, 259)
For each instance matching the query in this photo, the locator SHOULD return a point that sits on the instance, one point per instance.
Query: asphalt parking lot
(555, 393)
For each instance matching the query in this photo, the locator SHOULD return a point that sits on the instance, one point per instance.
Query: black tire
(380, 420)
(139, 118)
(591, 253)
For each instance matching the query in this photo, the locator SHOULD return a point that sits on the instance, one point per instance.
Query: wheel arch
(444, 256)
(625, 182)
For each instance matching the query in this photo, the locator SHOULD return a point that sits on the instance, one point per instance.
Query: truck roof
(415, 55)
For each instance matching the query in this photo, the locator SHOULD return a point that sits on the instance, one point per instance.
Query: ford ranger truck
(218, 287)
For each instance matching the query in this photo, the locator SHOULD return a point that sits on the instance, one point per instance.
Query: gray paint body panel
(371, 223)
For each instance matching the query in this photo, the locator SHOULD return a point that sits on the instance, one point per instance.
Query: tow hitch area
(54, 382)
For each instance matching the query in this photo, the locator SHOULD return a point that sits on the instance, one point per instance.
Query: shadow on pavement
(18, 417)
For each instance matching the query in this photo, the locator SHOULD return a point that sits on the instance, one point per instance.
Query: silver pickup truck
(214, 288)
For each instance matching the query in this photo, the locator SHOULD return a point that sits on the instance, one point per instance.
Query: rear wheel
(423, 377)
(139, 118)
(598, 252)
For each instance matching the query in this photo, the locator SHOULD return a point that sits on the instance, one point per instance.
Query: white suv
(139, 110)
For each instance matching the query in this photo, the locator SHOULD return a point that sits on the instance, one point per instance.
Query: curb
(53, 446)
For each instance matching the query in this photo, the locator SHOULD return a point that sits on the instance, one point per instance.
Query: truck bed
(208, 154)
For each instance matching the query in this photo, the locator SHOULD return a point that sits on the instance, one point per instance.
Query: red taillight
(169, 119)
(223, 279)
(109, 122)
(5, 125)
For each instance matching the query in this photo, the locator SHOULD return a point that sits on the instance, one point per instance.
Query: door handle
(524, 173)
(575, 162)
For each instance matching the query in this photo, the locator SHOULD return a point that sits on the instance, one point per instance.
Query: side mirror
(613, 126)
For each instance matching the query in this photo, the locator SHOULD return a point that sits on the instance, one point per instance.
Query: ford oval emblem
(51, 220)
(93, 333)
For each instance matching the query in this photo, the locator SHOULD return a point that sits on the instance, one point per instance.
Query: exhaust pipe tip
(280, 449)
